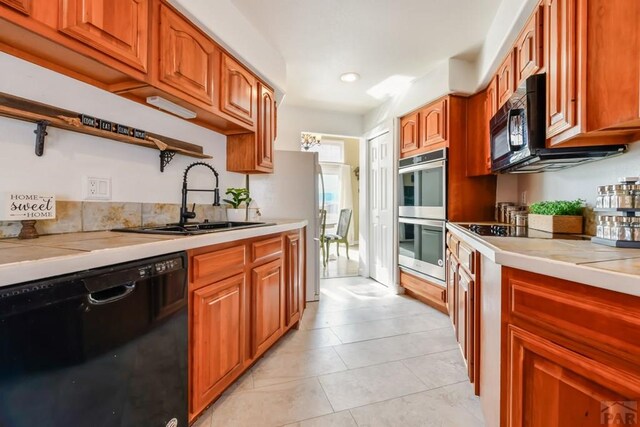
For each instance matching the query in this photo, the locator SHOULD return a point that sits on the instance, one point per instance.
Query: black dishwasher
(103, 347)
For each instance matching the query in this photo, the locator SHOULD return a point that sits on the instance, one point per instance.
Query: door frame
(390, 126)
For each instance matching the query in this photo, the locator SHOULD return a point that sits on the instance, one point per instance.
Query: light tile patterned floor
(363, 357)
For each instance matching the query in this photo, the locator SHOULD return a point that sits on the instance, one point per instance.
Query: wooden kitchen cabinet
(465, 317)
(238, 91)
(243, 296)
(529, 50)
(464, 303)
(433, 125)
(433, 294)
(186, 58)
(267, 306)
(478, 144)
(118, 28)
(574, 347)
(409, 134)
(218, 338)
(251, 153)
(294, 279)
(506, 80)
(562, 66)
(23, 6)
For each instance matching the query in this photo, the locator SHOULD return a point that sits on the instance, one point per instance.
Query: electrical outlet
(98, 188)
(523, 198)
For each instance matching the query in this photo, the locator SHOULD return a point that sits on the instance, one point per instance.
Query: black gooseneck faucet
(186, 214)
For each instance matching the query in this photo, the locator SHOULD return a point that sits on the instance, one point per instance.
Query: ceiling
(321, 39)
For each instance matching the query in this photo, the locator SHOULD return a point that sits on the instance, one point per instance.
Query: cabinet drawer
(467, 257)
(429, 293)
(452, 244)
(590, 317)
(267, 248)
(218, 265)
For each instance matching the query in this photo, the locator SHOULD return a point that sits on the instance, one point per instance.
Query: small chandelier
(308, 140)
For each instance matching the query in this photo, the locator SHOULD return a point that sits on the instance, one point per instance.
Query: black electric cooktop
(502, 230)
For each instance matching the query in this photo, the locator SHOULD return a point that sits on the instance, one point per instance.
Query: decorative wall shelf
(48, 116)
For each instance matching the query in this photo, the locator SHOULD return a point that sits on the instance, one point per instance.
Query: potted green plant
(559, 216)
(238, 202)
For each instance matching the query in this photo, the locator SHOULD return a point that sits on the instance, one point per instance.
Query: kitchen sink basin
(194, 228)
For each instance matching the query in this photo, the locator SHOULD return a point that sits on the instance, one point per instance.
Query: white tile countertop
(579, 261)
(53, 255)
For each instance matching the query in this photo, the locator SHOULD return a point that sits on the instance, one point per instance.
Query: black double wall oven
(422, 213)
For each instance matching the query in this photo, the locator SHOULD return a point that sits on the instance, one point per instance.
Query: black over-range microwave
(518, 135)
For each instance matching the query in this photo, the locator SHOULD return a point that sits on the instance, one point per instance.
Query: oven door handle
(414, 168)
(429, 222)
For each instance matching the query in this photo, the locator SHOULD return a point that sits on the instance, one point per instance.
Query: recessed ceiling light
(349, 77)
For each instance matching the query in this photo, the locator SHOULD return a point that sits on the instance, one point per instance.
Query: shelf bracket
(165, 158)
(41, 133)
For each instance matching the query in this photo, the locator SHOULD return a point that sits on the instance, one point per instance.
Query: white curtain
(346, 196)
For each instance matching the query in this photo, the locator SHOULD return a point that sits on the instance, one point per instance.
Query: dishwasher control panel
(167, 266)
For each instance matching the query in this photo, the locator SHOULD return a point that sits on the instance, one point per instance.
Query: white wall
(229, 27)
(69, 157)
(292, 120)
(581, 181)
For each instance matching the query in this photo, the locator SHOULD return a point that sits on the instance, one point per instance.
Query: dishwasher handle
(108, 297)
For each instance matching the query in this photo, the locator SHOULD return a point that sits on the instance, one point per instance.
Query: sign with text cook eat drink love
(18, 206)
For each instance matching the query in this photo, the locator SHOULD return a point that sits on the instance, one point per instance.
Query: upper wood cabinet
(433, 125)
(409, 133)
(23, 6)
(218, 343)
(505, 80)
(266, 129)
(239, 89)
(562, 77)
(118, 28)
(478, 150)
(529, 51)
(267, 306)
(186, 60)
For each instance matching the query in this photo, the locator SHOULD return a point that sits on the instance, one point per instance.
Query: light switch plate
(97, 188)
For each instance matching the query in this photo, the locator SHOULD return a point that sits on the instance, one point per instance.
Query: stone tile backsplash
(74, 216)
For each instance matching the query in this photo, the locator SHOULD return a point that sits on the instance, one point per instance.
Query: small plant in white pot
(238, 201)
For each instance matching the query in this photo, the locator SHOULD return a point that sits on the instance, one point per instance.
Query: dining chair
(341, 233)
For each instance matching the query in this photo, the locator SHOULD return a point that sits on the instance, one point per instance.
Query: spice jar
(634, 226)
(620, 228)
(522, 219)
(606, 227)
(602, 194)
(622, 196)
(503, 211)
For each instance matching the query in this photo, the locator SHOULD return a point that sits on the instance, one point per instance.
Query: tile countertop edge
(580, 273)
(26, 271)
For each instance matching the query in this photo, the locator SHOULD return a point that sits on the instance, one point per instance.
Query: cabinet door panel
(267, 305)
(266, 129)
(293, 279)
(433, 125)
(529, 49)
(218, 338)
(452, 274)
(23, 6)
(561, 66)
(506, 81)
(550, 385)
(491, 109)
(465, 316)
(119, 28)
(408, 134)
(239, 91)
(186, 57)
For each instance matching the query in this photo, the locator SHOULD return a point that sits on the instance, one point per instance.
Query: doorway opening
(339, 202)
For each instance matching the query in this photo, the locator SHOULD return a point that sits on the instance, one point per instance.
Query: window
(329, 150)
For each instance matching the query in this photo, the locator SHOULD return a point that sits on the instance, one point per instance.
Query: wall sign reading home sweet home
(27, 206)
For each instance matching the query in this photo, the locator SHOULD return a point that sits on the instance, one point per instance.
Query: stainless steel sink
(194, 228)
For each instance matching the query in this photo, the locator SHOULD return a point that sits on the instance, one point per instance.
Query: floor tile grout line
(353, 418)
(398, 335)
(365, 321)
(325, 394)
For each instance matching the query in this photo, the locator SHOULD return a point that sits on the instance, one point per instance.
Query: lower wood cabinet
(571, 353)
(267, 306)
(430, 293)
(463, 303)
(218, 338)
(243, 296)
